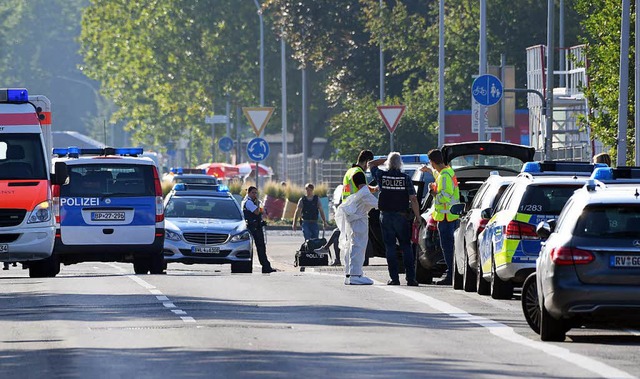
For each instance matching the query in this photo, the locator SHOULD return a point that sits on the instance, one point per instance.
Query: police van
(110, 209)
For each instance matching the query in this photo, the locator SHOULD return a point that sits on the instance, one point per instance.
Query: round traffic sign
(487, 90)
(258, 149)
(225, 144)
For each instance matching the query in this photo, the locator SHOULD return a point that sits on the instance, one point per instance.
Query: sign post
(391, 115)
(258, 148)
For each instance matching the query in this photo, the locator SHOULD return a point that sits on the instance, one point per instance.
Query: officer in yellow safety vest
(445, 192)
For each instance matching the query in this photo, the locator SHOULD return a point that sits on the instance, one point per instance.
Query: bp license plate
(4, 248)
(205, 249)
(624, 261)
(107, 216)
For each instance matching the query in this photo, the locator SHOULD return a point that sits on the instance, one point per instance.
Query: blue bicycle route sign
(487, 90)
(225, 144)
(258, 149)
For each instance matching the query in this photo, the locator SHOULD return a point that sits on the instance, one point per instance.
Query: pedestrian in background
(255, 224)
(445, 192)
(398, 206)
(309, 207)
(602, 158)
(352, 219)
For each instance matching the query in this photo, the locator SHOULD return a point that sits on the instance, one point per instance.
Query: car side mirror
(486, 213)
(61, 174)
(457, 209)
(544, 229)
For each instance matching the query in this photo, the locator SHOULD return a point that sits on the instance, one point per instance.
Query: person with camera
(255, 224)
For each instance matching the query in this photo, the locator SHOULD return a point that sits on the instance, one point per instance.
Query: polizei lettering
(392, 183)
(79, 201)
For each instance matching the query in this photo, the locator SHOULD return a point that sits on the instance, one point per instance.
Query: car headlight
(41, 213)
(244, 236)
(171, 235)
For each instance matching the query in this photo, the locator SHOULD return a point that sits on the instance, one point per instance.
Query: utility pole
(441, 109)
(623, 95)
(482, 136)
(548, 141)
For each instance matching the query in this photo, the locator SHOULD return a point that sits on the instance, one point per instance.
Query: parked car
(586, 269)
(465, 257)
(205, 225)
(509, 245)
(472, 162)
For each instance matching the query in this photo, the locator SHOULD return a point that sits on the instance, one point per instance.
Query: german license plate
(107, 216)
(205, 249)
(624, 261)
(4, 248)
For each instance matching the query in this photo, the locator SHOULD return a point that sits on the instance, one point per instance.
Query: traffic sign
(487, 90)
(258, 149)
(216, 119)
(225, 144)
(391, 115)
(258, 117)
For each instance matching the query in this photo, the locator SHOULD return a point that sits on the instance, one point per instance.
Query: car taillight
(159, 204)
(563, 256)
(482, 225)
(56, 203)
(521, 231)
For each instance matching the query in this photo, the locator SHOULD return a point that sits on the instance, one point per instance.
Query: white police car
(110, 210)
(204, 224)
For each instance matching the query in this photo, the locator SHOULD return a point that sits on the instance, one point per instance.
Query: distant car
(588, 272)
(192, 179)
(204, 225)
(472, 162)
(466, 259)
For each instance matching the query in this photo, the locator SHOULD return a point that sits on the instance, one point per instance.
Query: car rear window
(609, 221)
(478, 160)
(121, 180)
(547, 199)
(203, 207)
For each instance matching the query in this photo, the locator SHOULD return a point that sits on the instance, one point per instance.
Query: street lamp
(261, 53)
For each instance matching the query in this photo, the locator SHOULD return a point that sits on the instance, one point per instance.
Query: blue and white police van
(109, 210)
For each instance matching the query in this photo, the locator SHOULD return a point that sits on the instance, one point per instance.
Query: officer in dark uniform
(253, 217)
(397, 196)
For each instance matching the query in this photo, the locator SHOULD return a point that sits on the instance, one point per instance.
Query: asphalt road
(99, 320)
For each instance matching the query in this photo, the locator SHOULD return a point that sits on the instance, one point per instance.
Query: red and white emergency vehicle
(27, 226)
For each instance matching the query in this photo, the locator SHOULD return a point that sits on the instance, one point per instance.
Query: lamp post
(261, 53)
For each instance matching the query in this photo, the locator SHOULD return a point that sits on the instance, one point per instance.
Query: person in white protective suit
(353, 222)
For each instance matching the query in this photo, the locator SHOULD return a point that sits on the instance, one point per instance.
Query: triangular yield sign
(391, 115)
(258, 117)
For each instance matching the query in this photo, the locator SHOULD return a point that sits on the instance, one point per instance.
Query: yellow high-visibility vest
(447, 194)
(348, 186)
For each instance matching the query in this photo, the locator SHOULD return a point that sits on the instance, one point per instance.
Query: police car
(110, 209)
(204, 224)
(190, 176)
(509, 245)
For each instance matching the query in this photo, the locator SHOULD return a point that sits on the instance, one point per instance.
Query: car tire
(500, 289)
(45, 268)
(242, 267)
(141, 265)
(531, 303)
(550, 328)
(469, 281)
(423, 275)
(456, 277)
(482, 286)
(156, 263)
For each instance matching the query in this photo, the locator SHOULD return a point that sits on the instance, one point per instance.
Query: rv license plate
(624, 261)
(4, 248)
(205, 250)
(107, 216)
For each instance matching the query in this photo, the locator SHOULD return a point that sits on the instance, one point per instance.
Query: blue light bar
(223, 188)
(409, 158)
(179, 187)
(531, 167)
(560, 167)
(14, 95)
(128, 151)
(602, 173)
(75, 152)
(620, 173)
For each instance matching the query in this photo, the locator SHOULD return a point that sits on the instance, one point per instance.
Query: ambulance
(27, 228)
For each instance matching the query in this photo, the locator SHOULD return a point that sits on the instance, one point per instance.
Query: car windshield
(115, 180)
(478, 160)
(609, 221)
(22, 156)
(547, 200)
(196, 180)
(203, 207)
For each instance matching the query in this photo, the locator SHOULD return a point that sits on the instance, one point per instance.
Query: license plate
(4, 248)
(624, 261)
(107, 216)
(205, 249)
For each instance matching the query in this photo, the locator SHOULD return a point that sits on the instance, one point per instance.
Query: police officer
(397, 196)
(253, 217)
(446, 193)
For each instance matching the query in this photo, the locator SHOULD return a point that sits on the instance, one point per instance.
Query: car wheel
(140, 265)
(456, 278)
(468, 276)
(482, 286)
(241, 267)
(45, 268)
(530, 303)
(156, 263)
(550, 328)
(500, 289)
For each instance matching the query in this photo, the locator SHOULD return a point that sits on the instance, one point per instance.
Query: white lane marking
(162, 298)
(187, 319)
(165, 300)
(141, 282)
(168, 304)
(507, 333)
(179, 311)
(155, 292)
(633, 331)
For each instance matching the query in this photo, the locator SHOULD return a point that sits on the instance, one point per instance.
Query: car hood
(453, 150)
(202, 224)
